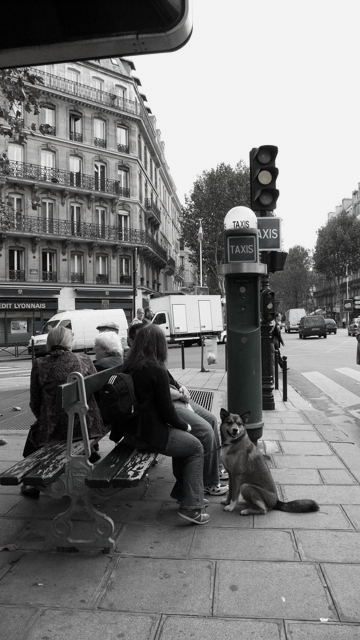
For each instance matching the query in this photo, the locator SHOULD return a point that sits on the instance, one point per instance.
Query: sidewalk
(280, 576)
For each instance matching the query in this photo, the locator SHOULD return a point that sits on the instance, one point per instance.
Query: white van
(83, 324)
(292, 319)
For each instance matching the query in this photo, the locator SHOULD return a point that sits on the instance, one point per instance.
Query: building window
(100, 214)
(16, 110)
(102, 276)
(49, 266)
(123, 182)
(15, 152)
(16, 212)
(122, 139)
(47, 120)
(75, 216)
(47, 212)
(16, 264)
(140, 187)
(75, 171)
(75, 127)
(125, 266)
(77, 267)
(99, 133)
(100, 176)
(123, 225)
(98, 85)
(139, 148)
(121, 95)
(74, 76)
(47, 161)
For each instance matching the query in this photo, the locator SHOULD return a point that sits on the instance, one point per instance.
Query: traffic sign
(269, 234)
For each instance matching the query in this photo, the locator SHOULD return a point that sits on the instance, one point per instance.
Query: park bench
(63, 469)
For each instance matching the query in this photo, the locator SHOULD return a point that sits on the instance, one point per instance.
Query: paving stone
(325, 494)
(337, 476)
(301, 436)
(54, 579)
(271, 434)
(293, 426)
(307, 462)
(271, 590)
(155, 541)
(350, 454)
(329, 546)
(332, 434)
(14, 621)
(161, 586)
(343, 581)
(295, 419)
(353, 512)
(159, 490)
(296, 476)
(321, 631)
(307, 448)
(8, 502)
(317, 417)
(247, 545)
(329, 517)
(85, 625)
(185, 628)
(123, 511)
(10, 529)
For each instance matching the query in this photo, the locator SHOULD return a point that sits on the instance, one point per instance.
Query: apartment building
(92, 214)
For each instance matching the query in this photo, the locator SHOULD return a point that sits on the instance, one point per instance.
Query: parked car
(312, 326)
(331, 326)
(352, 327)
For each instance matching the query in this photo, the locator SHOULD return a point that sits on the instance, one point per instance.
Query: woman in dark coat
(160, 427)
(46, 375)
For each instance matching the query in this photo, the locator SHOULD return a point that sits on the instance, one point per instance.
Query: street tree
(337, 249)
(214, 193)
(292, 285)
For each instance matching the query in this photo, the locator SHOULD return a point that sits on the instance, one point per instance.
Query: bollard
(182, 345)
(202, 356)
(276, 368)
(284, 378)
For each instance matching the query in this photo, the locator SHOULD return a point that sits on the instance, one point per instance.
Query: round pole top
(240, 218)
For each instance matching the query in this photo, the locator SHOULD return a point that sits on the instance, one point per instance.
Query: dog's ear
(223, 414)
(245, 417)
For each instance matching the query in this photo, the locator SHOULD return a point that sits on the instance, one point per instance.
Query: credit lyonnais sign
(242, 249)
(269, 234)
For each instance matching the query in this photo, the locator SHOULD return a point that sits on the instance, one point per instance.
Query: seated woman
(159, 426)
(46, 375)
(108, 351)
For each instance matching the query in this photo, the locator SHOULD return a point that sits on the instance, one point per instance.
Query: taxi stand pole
(242, 271)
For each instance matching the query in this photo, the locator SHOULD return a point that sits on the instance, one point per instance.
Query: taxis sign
(242, 249)
(269, 234)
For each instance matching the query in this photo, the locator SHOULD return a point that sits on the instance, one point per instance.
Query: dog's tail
(297, 506)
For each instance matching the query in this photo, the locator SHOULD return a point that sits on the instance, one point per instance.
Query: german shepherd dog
(249, 473)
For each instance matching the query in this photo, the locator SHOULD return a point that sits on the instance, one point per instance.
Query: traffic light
(263, 174)
(275, 260)
(268, 305)
(356, 303)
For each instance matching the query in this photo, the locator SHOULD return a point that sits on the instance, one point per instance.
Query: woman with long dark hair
(160, 427)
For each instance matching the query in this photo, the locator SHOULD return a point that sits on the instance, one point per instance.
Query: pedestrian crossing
(335, 391)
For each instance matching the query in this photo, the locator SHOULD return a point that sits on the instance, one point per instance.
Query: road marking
(336, 392)
(351, 373)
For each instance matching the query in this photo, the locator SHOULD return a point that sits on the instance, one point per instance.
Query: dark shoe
(95, 457)
(30, 492)
(196, 517)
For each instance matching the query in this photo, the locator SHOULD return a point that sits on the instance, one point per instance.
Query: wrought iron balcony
(77, 277)
(77, 137)
(153, 214)
(123, 148)
(100, 142)
(17, 274)
(61, 229)
(125, 279)
(49, 276)
(102, 278)
(48, 130)
(35, 172)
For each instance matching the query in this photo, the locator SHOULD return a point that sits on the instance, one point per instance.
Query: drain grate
(203, 398)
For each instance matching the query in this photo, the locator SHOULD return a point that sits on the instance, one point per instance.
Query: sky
(255, 72)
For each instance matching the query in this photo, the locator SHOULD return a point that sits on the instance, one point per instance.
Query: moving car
(312, 326)
(352, 328)
(292, 319)
(331, 326)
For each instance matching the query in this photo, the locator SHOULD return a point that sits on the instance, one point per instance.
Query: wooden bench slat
(134, 469)
(15, 474)
(104, 472)
(52, 466)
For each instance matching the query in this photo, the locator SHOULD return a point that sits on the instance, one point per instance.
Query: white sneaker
(217, 489)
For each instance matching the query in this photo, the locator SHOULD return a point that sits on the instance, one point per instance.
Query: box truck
(186, 317)
(292, 319)
(83, 324)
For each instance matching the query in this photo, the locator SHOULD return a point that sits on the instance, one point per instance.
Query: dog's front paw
(225, 501)
(229, 507)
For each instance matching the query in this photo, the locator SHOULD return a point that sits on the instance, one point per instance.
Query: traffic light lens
(266, 197)
(264, 156)
(264, 177)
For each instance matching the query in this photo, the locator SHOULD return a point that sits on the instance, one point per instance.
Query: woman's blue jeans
(188, 462)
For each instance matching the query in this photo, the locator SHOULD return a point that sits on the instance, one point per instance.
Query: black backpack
(118, 405)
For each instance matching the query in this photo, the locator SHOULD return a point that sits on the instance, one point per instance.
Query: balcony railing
(153, 213)
(77, 137)
(61, 229)
(125, 279)
(17, 274)
(100, 142)
(49, 276)
(77, 277)
(102, 278)
(64, 178)
(123, 148)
